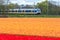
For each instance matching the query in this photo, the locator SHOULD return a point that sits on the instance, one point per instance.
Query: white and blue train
(25, 11)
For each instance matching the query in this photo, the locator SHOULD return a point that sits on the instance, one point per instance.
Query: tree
(13, 6)
(43, 7)
(53, 9)
(49, 8)
(3, 8)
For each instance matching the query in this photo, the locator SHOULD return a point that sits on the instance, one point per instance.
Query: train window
(28, 11)
(9, 11)
(15, 10)
(19, 11)
(34, 11)
(12, 10)
(23, 10)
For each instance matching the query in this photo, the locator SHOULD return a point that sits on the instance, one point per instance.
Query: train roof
(26, 9)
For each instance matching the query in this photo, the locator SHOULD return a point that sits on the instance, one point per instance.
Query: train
(25, 11)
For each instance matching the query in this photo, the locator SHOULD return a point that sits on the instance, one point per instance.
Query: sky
(56, 2)
(30, 2)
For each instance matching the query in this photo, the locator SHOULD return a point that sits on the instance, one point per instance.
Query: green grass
(32, 15)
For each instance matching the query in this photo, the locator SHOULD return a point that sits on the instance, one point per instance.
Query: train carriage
(25, 11)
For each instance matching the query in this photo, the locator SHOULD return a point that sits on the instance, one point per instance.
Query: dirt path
(31, 26)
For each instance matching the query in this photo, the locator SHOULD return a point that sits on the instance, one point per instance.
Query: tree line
(46, 7)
